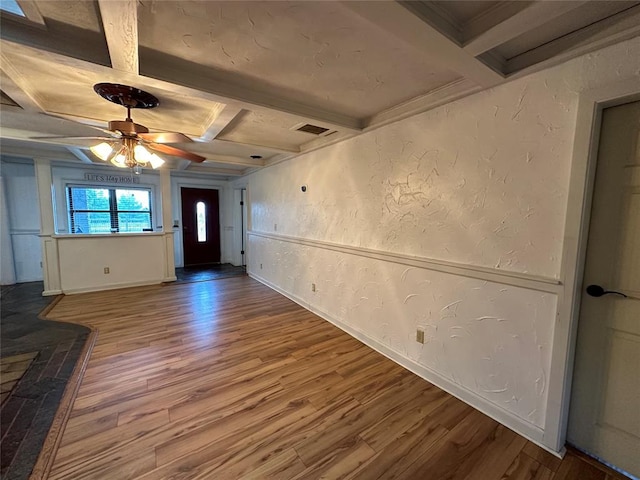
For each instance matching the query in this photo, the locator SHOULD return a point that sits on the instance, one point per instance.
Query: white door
(604, 418)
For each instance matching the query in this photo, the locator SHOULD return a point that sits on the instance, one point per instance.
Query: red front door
(200, 226)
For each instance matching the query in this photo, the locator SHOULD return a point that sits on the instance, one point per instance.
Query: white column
(50, 263)
(167, 225)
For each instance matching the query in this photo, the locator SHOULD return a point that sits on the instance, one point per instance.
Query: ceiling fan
(128, 144)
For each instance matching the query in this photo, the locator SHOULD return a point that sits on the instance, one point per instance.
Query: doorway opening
(603, 418)
(200, 226)
(243, 223)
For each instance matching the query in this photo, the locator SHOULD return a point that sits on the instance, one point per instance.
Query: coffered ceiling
(240, 77)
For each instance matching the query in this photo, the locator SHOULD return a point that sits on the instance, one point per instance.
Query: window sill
(107, 235)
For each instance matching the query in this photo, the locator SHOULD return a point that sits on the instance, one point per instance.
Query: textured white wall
(481, 182)
(476, 182)
(132, 260)
(503, 332)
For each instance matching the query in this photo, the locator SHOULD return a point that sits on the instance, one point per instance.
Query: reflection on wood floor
(203, 273)
(228, 379)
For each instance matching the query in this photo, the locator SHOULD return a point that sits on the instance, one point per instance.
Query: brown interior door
(200, 226)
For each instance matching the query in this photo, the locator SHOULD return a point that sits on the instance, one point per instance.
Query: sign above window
(98, 177)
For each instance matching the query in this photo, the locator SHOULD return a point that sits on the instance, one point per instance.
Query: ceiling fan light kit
(127, 153)
(131, 145)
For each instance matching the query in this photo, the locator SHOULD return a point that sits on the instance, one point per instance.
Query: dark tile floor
(203, 273)
(27, 414)
(12, 369)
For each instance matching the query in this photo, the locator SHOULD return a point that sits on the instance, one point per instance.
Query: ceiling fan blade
(62, 137)
(176, 152)
(104, 130)
(165, 137)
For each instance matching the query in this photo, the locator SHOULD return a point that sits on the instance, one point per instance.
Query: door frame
(219, 217)
(590, 105)
(240, 221)
(179, 241)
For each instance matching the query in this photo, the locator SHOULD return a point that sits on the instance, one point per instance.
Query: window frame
(113, 207)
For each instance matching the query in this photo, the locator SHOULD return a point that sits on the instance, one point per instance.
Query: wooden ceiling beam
(220, 118)
(509, 20)
(17, 87)
(229, 90)
(80, 155)
(410, 23)
(120, 23)
(31, 11)
(614, 29)
(56, 38)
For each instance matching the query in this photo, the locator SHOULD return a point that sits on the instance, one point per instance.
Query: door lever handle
(598, 291)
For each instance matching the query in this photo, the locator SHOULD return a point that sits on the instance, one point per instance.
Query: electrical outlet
(420, 335)
(275, 227)
(106, 270)
(260, 266)
(313, 287)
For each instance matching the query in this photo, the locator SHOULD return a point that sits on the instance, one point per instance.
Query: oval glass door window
(201, 221)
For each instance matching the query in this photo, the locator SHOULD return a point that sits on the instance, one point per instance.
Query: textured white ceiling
(262, 127)
(81, 14)
(238, 76)
(68, 91)
(318, 53)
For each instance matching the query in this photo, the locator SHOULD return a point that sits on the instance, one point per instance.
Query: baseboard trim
(516, 279)
(48, 293)
(114, 286)
(531, 432)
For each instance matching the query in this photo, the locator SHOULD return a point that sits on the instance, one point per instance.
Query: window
(201, 220)
(106, 210)
(11, 6)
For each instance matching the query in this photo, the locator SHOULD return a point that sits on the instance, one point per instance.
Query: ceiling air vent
(313, 129)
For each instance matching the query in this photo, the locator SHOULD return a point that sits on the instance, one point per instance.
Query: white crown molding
(438, 17)
(614, 29)
(509, 20)
(439, 96)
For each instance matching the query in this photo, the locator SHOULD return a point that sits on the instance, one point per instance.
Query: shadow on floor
(28, 412)
(203, 273)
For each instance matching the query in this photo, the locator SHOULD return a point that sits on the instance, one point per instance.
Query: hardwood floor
(228, 379)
